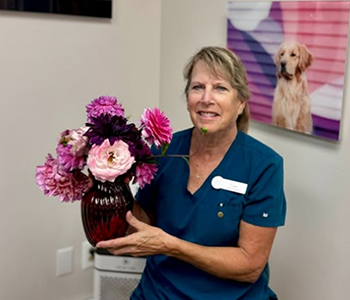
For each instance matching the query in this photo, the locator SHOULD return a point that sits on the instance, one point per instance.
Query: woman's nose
(206, 97)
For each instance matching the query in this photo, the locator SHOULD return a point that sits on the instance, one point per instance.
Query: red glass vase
(103, 210)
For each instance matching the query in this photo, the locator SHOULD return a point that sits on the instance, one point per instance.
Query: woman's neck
(208, 145)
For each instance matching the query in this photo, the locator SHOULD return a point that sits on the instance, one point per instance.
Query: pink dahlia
(144, 173)
(107, 162)
(54, 181)
(104, 105)
(156, 127)
(71, 149)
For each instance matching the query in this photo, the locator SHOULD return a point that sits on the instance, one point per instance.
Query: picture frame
(86, 8)
(311, 91)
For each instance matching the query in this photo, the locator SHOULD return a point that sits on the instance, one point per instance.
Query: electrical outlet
(64, 261)
(87, 257)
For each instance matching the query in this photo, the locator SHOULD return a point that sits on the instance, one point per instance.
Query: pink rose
(106, 162)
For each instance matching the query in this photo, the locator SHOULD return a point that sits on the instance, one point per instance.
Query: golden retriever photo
(291, 106)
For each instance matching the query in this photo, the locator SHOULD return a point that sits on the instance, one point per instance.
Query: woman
(214, 217)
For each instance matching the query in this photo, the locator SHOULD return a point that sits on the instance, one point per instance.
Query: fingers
(144, 241)
(134, 222)
(120, 246)
(116, 243)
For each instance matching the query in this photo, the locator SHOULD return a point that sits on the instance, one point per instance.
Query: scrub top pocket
(218, 220)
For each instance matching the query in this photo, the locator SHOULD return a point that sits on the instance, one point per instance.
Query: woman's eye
(221, 88)
(196, 87)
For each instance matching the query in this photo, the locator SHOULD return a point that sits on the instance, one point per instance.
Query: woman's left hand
(146, 240)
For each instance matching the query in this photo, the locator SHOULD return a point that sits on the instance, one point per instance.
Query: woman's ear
(243, 119)
(241, 107)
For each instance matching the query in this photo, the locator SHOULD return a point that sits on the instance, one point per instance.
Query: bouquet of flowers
(111, 149)
(108, 146)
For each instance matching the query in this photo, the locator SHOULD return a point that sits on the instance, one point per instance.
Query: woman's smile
(208, 114)
(212, 101)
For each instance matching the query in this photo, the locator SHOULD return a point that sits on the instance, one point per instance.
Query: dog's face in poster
(292, 59)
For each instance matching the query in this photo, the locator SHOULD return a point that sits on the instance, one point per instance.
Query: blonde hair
(223, 62)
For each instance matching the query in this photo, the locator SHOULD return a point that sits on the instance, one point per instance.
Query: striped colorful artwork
(319, 30)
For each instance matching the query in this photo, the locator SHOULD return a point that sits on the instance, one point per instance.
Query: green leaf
(186, 160)
(164, 148)
(204, 130)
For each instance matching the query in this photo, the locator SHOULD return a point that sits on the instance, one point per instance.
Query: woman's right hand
(142, 241)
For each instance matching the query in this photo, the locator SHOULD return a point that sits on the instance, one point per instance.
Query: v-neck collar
(207, 185)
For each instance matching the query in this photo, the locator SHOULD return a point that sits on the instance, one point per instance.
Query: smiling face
(212, 102)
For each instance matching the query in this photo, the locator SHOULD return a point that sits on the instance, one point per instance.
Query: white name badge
(229, 185)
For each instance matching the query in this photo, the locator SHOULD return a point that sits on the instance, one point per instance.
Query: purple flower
(156, 127)
(144, 153)
(71, 149)
(54, 181)
(104, 105)
(144, 173)
(114, 128)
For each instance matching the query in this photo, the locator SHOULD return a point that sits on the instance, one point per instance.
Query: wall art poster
(295, 56)
(91, 8)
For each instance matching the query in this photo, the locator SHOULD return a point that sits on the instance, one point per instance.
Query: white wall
(310, 259)
(50, 67)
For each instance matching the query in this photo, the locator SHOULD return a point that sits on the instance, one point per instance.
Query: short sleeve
(265, 203)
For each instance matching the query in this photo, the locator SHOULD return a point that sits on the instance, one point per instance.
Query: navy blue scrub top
(211, 217)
